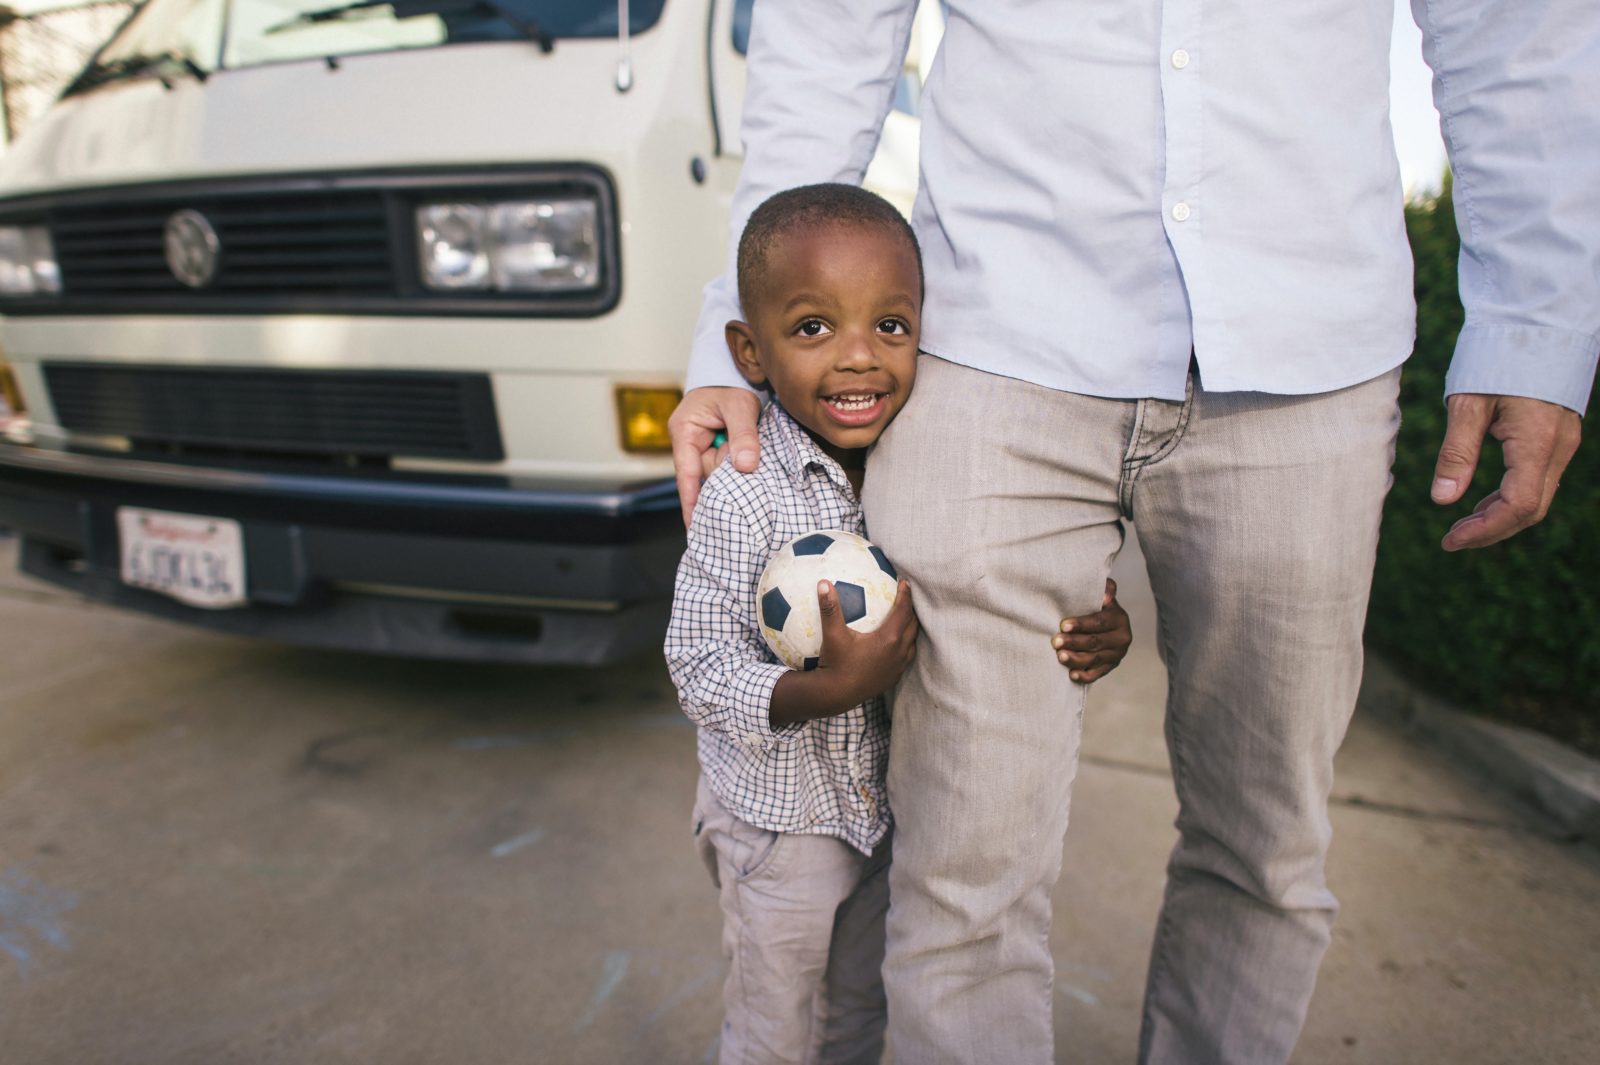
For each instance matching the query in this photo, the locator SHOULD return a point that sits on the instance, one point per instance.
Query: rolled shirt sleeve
(716, 656)
(821, 81)
(1516, 84)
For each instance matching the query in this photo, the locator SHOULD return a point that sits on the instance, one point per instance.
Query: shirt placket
(1182, 64)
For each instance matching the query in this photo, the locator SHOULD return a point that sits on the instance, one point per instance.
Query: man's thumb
(1468, 419)
(744, 444)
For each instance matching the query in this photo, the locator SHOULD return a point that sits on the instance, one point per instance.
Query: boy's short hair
(807, 206)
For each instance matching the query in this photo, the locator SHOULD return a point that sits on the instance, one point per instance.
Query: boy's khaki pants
(1003, 504)
(802, 929)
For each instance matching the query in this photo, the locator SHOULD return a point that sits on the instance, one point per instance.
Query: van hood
(467, 104)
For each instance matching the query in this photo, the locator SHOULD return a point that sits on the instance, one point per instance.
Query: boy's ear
(742, 346)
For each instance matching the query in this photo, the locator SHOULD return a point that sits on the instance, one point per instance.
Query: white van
(358, 324)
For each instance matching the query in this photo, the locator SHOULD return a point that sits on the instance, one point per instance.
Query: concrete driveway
(218, 851)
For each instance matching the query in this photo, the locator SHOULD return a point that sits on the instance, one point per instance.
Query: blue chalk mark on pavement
(29, 911)
(611, 974)
(516, 843)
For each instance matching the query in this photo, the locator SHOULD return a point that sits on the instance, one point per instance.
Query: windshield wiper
(159, 65)
(404, 9)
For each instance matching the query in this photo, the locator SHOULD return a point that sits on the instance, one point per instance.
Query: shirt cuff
(1538, 362)
(754, 712)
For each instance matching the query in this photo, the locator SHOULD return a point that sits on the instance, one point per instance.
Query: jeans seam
(1129, 467)
(1158, 961)
(1178, 430)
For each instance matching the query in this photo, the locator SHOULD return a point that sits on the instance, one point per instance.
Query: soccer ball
(786, 597)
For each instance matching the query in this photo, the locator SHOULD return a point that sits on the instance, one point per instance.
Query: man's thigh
(998, 501)
(1260, 528)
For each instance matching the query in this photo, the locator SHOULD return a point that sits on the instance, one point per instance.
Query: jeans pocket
(753, 850)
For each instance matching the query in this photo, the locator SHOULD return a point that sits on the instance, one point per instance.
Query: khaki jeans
(1003, 504)
(802, 929)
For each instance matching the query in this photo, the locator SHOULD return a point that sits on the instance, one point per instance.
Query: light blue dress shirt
(1109, 184)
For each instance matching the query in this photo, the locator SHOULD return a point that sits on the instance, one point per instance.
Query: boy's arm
(723, 672)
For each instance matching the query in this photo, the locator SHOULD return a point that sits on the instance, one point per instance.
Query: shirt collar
(795, 450)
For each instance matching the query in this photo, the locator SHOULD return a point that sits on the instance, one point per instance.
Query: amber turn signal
(642, 414)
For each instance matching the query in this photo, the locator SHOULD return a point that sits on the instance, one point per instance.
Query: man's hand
(697, 419)
(1092, 645)
(1538, 439)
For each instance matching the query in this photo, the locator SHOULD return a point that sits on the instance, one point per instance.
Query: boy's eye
(894, 327)
(812, 327)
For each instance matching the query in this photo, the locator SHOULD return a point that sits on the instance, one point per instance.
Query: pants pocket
(751, 850)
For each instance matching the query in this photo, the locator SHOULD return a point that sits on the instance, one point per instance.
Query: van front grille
(281, 245)
(292, 244)
(312, 412)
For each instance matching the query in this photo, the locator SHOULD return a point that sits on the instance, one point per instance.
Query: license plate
(194, 559)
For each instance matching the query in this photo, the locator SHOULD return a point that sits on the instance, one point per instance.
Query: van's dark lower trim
(501, 570)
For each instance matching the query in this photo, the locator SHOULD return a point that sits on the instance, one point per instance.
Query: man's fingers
(1468, 417)
(710, 460)
(689, 477)
(1538, 440)
(698, 416)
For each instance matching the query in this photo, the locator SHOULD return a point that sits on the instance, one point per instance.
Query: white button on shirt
(1055, 135)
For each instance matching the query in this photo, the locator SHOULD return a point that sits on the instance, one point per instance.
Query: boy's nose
(857, 353)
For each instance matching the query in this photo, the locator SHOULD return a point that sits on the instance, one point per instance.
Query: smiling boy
(792, 814)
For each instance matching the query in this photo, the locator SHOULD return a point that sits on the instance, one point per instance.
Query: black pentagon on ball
(852, 600)
(815, 544)
(883, 562)
(774, 610)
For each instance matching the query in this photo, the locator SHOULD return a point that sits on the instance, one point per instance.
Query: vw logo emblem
(192, 248)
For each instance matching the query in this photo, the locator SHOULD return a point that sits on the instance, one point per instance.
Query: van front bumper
(458, 567)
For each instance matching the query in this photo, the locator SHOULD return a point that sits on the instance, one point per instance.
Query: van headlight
(27, 262)
(515, 246)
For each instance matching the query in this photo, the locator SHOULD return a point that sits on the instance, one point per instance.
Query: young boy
(792, 817)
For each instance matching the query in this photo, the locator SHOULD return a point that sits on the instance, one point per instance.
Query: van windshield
(178, 38)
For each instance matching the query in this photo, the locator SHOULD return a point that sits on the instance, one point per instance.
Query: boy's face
(834, 331)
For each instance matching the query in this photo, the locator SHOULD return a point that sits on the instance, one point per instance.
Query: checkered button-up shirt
(821, 777)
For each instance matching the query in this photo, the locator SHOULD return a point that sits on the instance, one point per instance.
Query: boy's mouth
(854, 408)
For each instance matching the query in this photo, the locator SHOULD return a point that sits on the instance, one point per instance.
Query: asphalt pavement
(217, 851)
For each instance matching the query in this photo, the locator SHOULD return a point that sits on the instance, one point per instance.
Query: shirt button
(1180, 59)
(1180, 212)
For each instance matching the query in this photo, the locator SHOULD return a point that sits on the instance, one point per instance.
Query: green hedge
(1512, 630)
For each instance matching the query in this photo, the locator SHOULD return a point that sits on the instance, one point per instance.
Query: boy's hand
(1092, 645)
(864, 664)
(853, 666)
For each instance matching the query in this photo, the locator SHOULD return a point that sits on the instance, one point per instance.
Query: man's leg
(1259, 522)
(997, 500)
